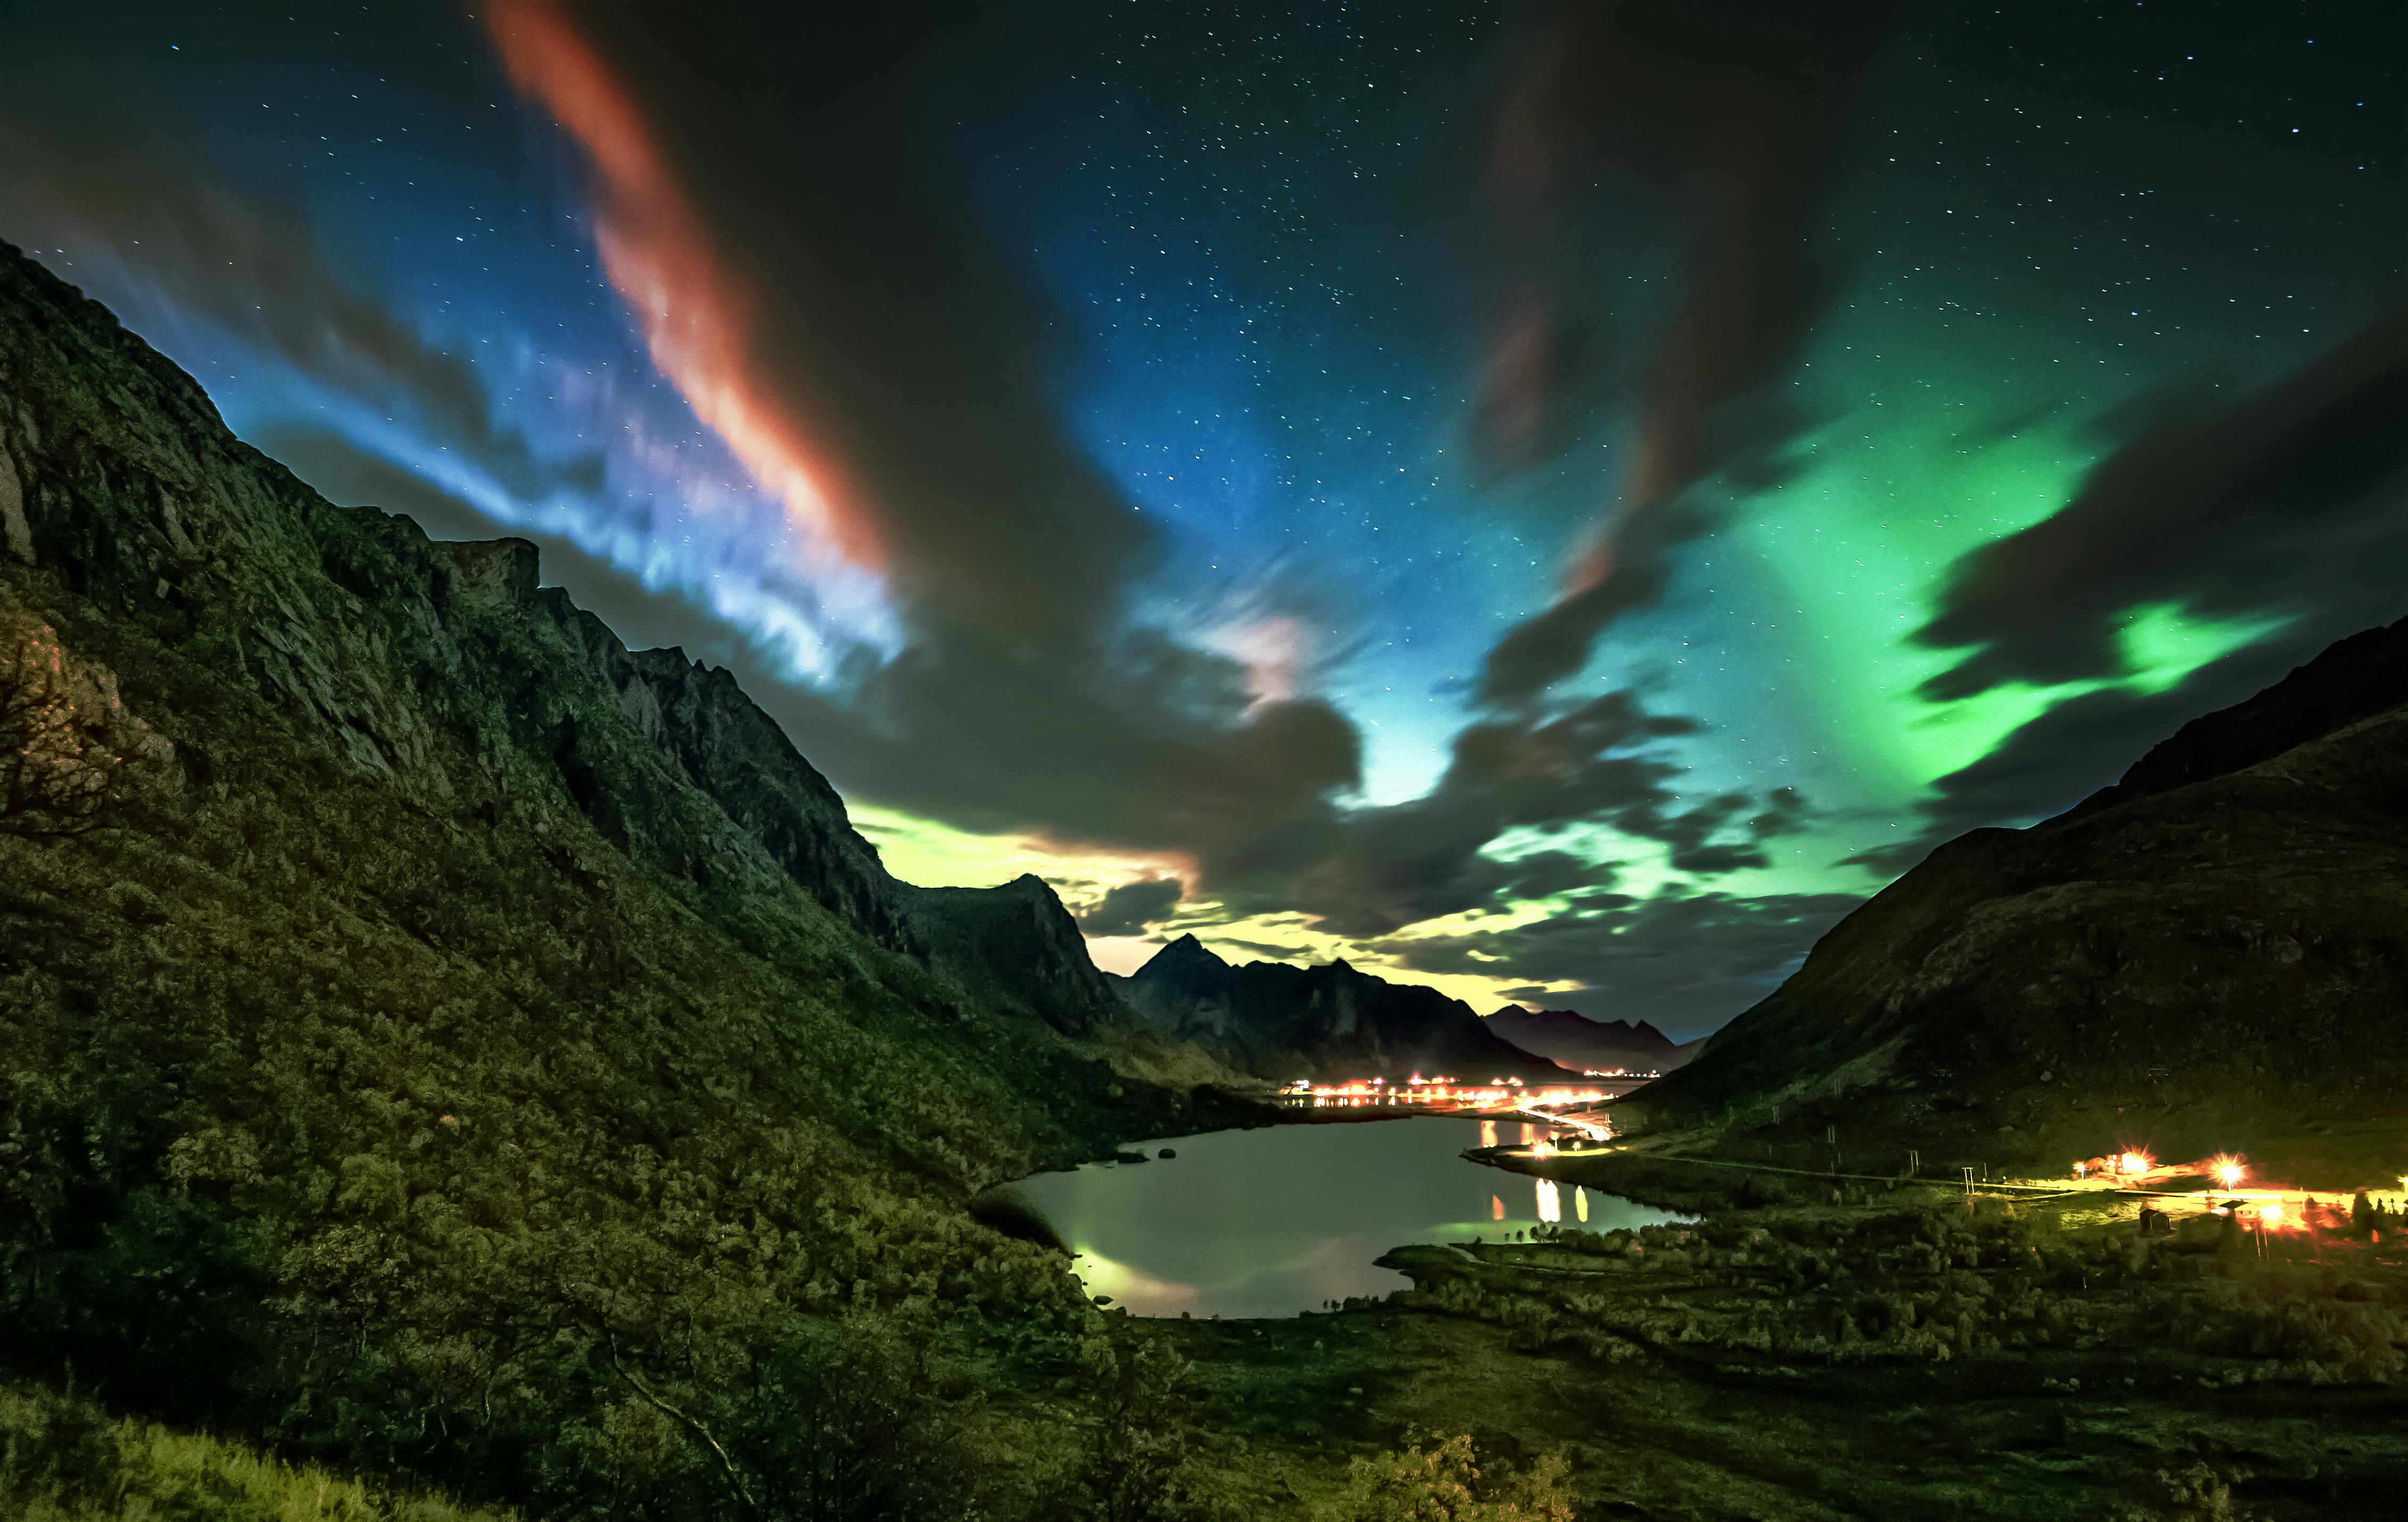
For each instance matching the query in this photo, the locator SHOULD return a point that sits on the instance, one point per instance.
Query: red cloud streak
(695, 311)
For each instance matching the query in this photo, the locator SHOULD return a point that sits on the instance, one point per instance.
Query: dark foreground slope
(463, 1045)
(1575, 1040)
(2213, 953)
(1330, 1021)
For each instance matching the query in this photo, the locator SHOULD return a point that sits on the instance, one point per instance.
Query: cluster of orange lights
(2227, 1170)
(1445, 1091)
(2263, 1207)
(2129, 1165)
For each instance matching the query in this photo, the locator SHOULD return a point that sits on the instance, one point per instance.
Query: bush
(844, 1425)
(1137, 1465)
(1444, 1480)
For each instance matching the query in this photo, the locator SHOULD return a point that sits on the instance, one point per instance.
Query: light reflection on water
(1271, 1222)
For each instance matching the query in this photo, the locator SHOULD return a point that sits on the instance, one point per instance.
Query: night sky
(1555, 504)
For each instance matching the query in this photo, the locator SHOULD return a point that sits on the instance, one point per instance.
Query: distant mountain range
(1575, 1040)
(1331, 1022)
(2210, 954)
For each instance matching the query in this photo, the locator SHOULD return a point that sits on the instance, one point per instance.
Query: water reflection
(1275, 1221)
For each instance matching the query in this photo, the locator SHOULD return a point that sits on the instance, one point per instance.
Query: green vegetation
(1899, 1350)
(1441, 1480)
(1928, 1277)
(446, 1048)
(62, 1460)
(472, 1154)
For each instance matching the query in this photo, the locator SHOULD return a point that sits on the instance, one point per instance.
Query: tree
(70, 747)
(1136, 1467)
(843, 1423)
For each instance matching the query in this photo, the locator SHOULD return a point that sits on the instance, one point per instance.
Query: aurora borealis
(1117, 441)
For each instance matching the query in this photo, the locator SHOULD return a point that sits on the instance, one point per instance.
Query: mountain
(430, 1031)
(1330, 1021)
(1577, 1041)
(2211, 953)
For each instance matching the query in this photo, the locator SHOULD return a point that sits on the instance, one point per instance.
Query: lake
(1274, 1221)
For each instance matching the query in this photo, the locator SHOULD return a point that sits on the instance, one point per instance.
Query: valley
(459, 1063)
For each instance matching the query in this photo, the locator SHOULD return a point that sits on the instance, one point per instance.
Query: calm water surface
(1271, 1222)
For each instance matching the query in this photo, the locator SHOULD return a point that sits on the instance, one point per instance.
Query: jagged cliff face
(445, 670)
(2213, 949)
(1021, 945)
(1575, 1040)
(1330, 1021)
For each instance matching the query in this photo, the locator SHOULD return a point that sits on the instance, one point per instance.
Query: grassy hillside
(442, 1041)
(64, 1460)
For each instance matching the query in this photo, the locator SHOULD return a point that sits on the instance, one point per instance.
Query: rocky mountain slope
(436, 1023)
(1574, 1039)
(2213, 953)
(1329, 1022)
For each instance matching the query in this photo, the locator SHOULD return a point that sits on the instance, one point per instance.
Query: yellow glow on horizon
(1291, 937)
(933, 854)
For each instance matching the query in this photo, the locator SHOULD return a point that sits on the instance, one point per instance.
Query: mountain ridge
(1580, 1040)
(772, 814)
(2207, 951)
(1329, 1021)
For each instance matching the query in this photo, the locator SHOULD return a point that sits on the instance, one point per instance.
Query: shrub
(1441, 1479)
(62, 1459)
(1137, 1465)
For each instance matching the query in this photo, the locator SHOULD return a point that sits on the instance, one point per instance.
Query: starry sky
(1555, 502)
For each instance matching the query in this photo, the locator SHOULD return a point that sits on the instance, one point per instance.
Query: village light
(2229, 1171)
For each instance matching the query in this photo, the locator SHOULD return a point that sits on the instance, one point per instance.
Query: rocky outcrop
(2217, 943)
(1329, 1022)
(1575, 1040)
(1019, 943)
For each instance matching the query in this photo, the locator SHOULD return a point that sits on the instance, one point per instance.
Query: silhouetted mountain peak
(1579, 1040)
(1333, 1020)
(1182, 954)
